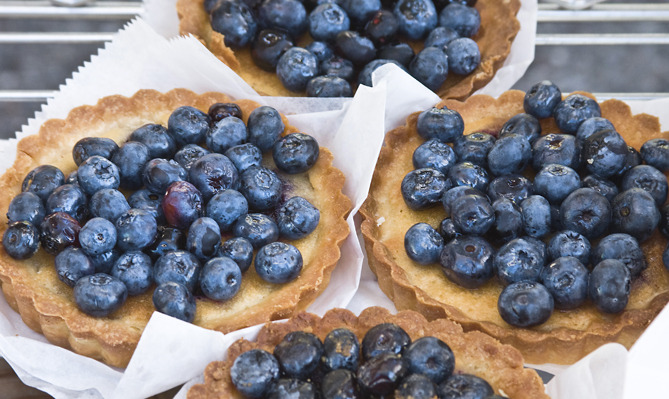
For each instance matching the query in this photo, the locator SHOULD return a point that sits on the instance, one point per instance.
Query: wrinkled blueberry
(474, 148)
(58, 231)
(178, 266)
(243, 156)
(174, 299)
(384, 338)
(341, 350)
(213, 173)
(159, 173)
(542, 98)
(43, 180)
(604, 153)
(238, 249)
(609, 286)
(188, 125)
(469, 174)
(380, 375)
(261, 187)
(472, 214)
(573, 110)
(156, 139)
(434, 154)
(226, 133)
(97, 173)
(422, 188)
(235, 20)
(136, 229)
(467, 261)
(99, 294)
(327, 20)
(518, 260)
(254, 372)
(188, 154)
(134, 269)
(570, 243)
(525, 304)
(68, 198)
(89, 146)
(416, 18)
(259, 229)
(218, 111)
(278, 262)
(296, 218)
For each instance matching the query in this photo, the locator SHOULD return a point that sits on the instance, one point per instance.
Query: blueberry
(434, 154)
(136, 229)
(238, 249)
(225, 207)
(97, 173)
(21, 240)
(454, 193)
(416, 18)
(188, 154)
(235, 20)
(243, 156)
(292, 388)
(440, 37)
(430, 66)
(296, 67)
(431, 357)
(337, 66)
(178, 266)
(360, 11)
(287, 15)
(130, 160)
(593, 125)
(73, 264)
(68, 198)
(474, 148)
(469, 174)
(655, 152)
(604, 153)
(423, 244)
(422, 188)
(220, 279)
(104, 262)
(295, 153)
(569, 243)
(602, 186)
(508, 221)
(463, 55)
(99, 294)
(573, 110)
(327, 20)
(632, 159)
(443, 124)
(381, 27)
(555, 182)
(467, 261)
(328, 86)
(213, 173)
(218, 111)
(339, 384)
(464, 20)
(341, 350)
(472, 214)
(460, 386)
(26, 207)
(321, 50)
(648, 178)
(156, 139)
(380, 375)
(635, 213)
(204, 238)
(542, 98)
(299, 354)
(58, 231)
(134, 269)
(400, 52)
(159, 173)
(536, 212)
(609, 286)
(278, 262)
(622, 247)
(188, 125)
(97, 236)
(555, 148)
(525, 304)
(352, 46)
(145, 200)
(268, 46)
(43, 180)
(261, 187)
(259, 229)
(365, 75)
(509, 155)
(518, 260)
(664, 220)
(513, 187)
(296, 218)
(174, 299)
(72, 178)
(169, 239)
(108, 204)
(226, 133)
(567, 280)
(254, 372)
(89, 146)
(586, 212)
(416, 386)
(264, 127)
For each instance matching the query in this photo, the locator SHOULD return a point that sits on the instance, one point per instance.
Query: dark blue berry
(622, 247)
(321, 50)
(423, 244)
(416, 18)
(97, 236)
(416, 386)
(278, 262)
(103, 263)
(434, 154)
(220, 279)
(602, 186)
(89, 146)
(384, 338)
(26, 207)
(108, 204)
(525, 125)
(341, 350)
(134, 269)
(159, 173)
(463, 55)
(525, 304)
(226, 133)
(243, 156)
(456, 192)
(536, 212)
(381, 27)
(337, 66)
(238, 249)
(299, 354)
(443, 124)
(380, 375)
(430, 67)
(604, 153)
(555, 182)
(204, 238)
(254, 372)
(593, 125)
(21, 240)
(58, 231)
(440, 37)
(174, 299)
(509, 155)
(508, 221)
(632, 159)
(73, 264)
(474, 148)
(68, 198)
(555, 148)
(422, 188)
(218, 111)
(292, 388)
(461, 386)
(609, 286)
(567, 281)
(518, 260)
(635, 213)
(130, 160)
(469, 174)
(213, 173)
(570, 243)
(136, 230)
(365, 75)
(401, 52)
(573, 110)
(156, 139)
(296, 67)
(467, 261)
(339, 384)
(648, 178)
(513, 187)
(225, 207)
(296, 218)
(586, 212)
(259, 229)
(431, 357)
(295, 153)
(287, 15)
(97, 173)
(360, 11)
(464, 20)
(328, 86)
(99, 294)
(472, 214)
(147, 201)
(43, 180)
(664, 220)
(655, 152)
(541, 99)
(352, 46)
(235, 20)
(188, 125)
(261, 187)
(169, 239)
(264, 127)
(327, 20)
(268, 46)
(178, 266)
(188, 154)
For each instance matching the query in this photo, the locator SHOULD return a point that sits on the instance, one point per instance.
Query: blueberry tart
(544, 235)
(325, 49)
(399, 355)
(150, 215)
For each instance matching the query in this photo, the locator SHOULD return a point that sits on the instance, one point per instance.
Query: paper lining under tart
(568, 335)
(46, 305)
(499, 27)
(475, 353)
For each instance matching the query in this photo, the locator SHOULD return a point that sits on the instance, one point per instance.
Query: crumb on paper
(380, 221)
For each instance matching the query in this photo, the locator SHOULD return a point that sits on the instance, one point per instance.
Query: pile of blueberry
(569, 234)
(351, 38)
(188, 185)
(385, 363)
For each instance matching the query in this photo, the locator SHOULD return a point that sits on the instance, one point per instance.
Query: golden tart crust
(499, 27)
(46, 305)
(475, 353)
(568, 335)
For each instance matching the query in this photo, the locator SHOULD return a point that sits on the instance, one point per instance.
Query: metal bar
(605, 13)
(44, 9)
(55, 37)
(601, 39)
